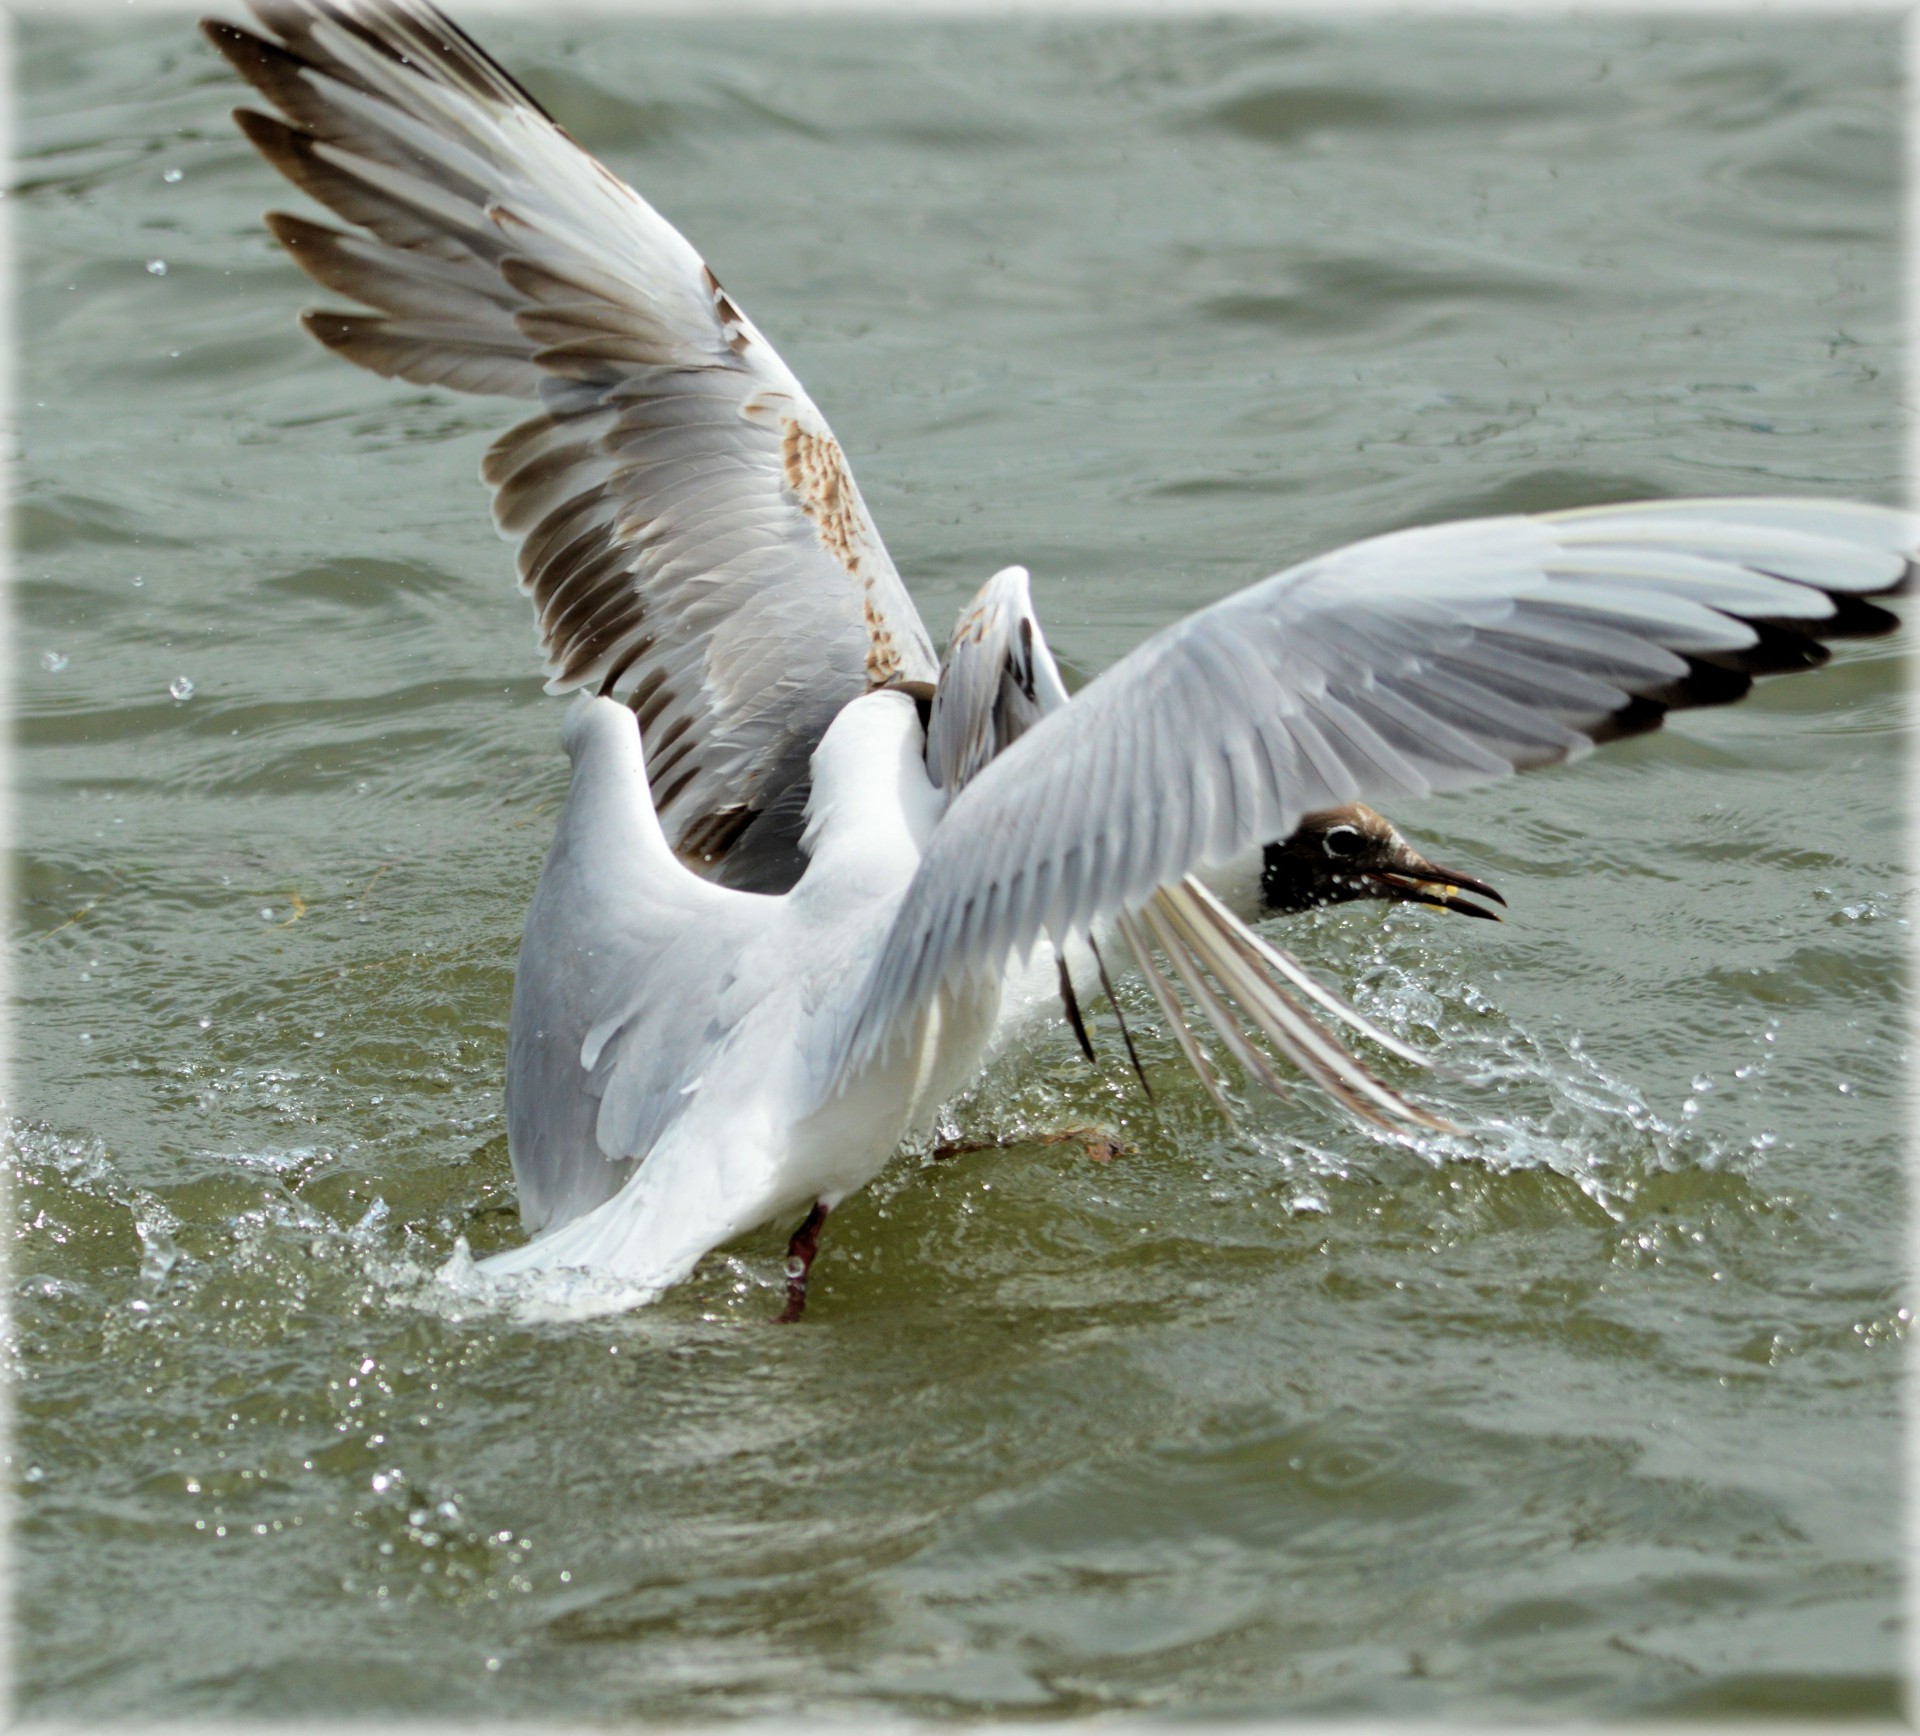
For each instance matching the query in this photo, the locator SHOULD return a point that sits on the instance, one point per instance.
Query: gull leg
(800, 1251)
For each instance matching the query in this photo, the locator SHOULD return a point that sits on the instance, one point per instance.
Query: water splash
(461, 1287)
(155, 1226)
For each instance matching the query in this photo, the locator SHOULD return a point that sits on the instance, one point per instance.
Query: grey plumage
(1406, 665)
(690, 534)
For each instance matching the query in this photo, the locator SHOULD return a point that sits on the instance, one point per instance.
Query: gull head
(1342, 854)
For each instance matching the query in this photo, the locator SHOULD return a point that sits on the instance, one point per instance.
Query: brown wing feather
(690, 534)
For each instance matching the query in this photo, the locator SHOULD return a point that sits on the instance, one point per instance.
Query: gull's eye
(1341, 841)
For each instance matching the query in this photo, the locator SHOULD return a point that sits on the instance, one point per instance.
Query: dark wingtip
(1639, 716)
(272, 138)
(1857, 618)
(238, 45)
(1071, 1002)
(1113, 1000)
(333, 326)
(293, 232)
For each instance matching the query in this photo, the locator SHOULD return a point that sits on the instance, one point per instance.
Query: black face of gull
(1342, 854)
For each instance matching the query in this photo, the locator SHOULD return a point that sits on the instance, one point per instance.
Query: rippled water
(1592, 1410)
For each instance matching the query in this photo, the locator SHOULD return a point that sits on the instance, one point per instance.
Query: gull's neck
(873, 807)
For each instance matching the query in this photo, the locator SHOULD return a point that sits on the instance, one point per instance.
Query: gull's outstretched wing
(1422, 661)
(617, 1004)
(689, 531)
(998, 681)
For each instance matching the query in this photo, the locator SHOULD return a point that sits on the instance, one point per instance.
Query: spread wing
(998, 681)
(1422, 661)
(617, 1005)
(689, 532)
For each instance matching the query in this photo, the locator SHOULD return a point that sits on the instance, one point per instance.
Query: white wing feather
(1413, 663)
(617, 1007)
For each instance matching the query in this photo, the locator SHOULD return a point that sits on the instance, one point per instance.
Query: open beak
(1415, 880)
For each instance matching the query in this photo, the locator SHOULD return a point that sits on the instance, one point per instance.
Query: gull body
(806, 867)
(740, 1129)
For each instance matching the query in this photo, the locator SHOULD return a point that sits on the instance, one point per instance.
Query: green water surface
(1593, 1410)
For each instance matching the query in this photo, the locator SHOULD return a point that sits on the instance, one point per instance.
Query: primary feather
(689, 531)
(1407, 665)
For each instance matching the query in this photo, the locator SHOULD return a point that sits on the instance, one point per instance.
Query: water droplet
(181, 687)
(380, 1482)
(206, 1024)
(173, 177)
(1703, 1082)
(86, 1036)
(158, 1254)
(53, 661)
(266, 914)
(157, 267)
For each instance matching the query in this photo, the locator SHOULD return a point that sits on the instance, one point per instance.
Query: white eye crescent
(1341, 841)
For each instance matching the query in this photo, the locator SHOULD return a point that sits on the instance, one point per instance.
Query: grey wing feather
(615, 1001)
(1413, 663)
(690, 534)
(999, 679)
